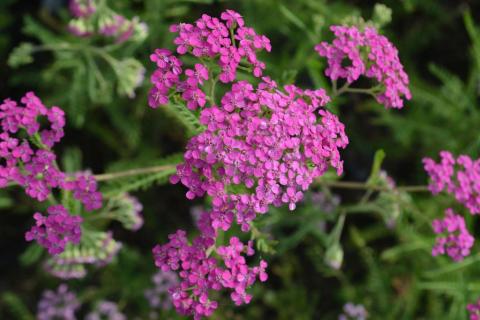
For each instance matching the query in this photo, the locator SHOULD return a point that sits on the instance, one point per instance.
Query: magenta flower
(459, 177)
(232, 19)
(455, 240)
(200, 274)
(474, 310)
(262, 138)
(57, 229)
(33, 166)
(208, 38)
(368, 54)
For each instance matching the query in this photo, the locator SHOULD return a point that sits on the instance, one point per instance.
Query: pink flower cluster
(55, 230)
(460, 177)
(36, 169)
(261, 147)
(120, 28)
(200, 273)
(82, 8)
(367, 54)
(91, 20)
(31, 163)
(455, 241)
(474, 310)
(226, 40)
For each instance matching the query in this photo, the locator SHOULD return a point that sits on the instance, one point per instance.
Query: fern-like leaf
(186, 117)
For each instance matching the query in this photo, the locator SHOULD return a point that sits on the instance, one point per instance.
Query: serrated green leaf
(186, 117)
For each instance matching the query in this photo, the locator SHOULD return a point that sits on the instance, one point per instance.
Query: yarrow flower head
(455, 240)
(224, 43)
(59, 304)
(355, 53)
(353, 312)
(28, 160)
(459, 177)
(261, 147)
(56, 230)
(200, 273)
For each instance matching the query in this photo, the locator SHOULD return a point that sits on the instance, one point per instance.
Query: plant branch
(133, 172)
(364, 186)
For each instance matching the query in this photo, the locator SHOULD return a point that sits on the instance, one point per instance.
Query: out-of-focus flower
(59, 304)
(106, 310)
(158, 297)
(353, 312)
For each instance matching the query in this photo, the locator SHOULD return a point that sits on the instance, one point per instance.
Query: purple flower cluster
(226, 40)
(96, 20)
(60, 304)
(106, 310)
(261, 147)
(460, 177)
(120, 28)
(367, 54)
(55, 230)
(455, 241)
(28, 160)
(353, 312)
(474, 310)
(201, 273)
(82, 8)
(33, 168)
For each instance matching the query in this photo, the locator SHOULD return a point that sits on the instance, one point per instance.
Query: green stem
(133, 172)
(232, 37)
(212, 89)
(364, 186)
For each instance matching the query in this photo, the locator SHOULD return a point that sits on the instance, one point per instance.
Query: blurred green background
(386, 266)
